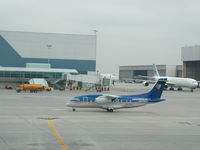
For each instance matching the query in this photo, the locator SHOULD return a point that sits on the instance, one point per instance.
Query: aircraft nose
(196, 84)
(68, 104)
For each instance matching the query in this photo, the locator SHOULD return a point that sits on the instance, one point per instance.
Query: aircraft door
(85, 99)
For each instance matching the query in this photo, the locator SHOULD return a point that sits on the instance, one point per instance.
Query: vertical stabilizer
(158, 88)
(156, 74)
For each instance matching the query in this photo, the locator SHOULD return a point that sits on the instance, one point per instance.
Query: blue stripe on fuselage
(122, 99)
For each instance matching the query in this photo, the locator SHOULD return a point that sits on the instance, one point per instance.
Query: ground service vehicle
(48, 88)
(32, 88)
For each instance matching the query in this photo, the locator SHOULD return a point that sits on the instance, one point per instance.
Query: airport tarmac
(40, 121)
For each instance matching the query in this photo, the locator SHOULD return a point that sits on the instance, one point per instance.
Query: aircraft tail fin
(156, 74)
(158, 88)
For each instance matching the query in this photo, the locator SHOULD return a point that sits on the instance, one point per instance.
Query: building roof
(24, 69)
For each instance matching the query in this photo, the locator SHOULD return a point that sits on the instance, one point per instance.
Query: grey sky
(130, 32)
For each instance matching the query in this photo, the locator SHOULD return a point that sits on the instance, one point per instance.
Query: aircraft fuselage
(91, 101)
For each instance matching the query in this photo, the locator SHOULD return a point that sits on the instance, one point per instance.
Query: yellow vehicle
(32, 88)
(48, 88)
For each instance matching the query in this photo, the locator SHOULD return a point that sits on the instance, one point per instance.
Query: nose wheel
(73, 109)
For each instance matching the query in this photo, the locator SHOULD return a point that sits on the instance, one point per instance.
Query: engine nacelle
(101, 100)
(145, 83)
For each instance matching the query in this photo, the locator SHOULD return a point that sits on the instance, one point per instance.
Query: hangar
(63, 51)
(52, 56)
(190, 55)
(131, 72)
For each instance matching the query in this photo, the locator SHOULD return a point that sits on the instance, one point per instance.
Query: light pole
(95, 33)
(95, 44)
(49, 46)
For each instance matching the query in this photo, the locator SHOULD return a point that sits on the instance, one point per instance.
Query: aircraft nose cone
(67, 104)
(196, 84)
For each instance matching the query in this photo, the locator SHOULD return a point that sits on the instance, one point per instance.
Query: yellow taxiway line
(57, 135)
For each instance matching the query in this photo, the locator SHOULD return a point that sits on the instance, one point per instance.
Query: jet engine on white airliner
(145, 83)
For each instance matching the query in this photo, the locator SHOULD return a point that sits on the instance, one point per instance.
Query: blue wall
(10, 58)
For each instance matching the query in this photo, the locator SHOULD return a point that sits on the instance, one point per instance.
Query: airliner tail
(156, 74)
(157, 90)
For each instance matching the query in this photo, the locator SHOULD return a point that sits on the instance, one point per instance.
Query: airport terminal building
(190, 56)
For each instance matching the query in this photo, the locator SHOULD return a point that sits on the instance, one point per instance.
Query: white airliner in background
(174, 82)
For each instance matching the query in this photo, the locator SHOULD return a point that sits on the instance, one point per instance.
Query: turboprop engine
(101, 100)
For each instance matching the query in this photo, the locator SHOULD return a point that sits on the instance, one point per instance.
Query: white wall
(190, 53)
(171, 70)
(64, 46)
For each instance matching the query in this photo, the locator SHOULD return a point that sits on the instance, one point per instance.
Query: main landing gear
(180, 89)
(73, 109)
(109, 110)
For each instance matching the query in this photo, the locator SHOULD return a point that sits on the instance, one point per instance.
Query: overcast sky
(130, 32)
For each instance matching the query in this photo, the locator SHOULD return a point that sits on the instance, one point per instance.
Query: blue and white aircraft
(111, 102)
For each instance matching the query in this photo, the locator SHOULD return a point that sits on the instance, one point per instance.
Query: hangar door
(139, 73)
(193, 69)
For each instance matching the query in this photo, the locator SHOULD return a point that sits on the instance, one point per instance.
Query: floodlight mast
(95, 44)
(49, 47)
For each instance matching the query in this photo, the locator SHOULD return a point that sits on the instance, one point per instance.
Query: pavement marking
(48, 118)
(57, 135)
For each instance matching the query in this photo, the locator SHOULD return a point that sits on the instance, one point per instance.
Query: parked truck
(32, 88)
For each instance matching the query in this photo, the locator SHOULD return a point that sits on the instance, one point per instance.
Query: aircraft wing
(139, 79)
(106, 98)
(170, 83)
